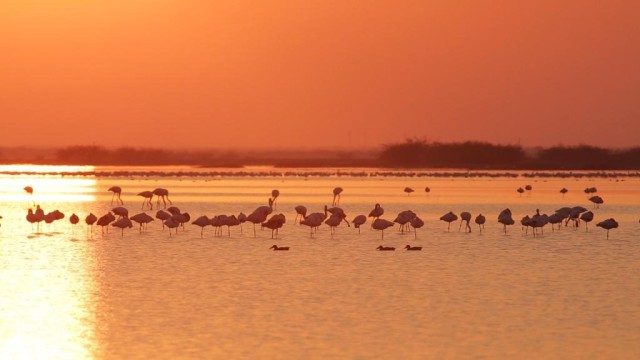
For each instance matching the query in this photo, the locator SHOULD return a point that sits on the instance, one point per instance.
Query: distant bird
(74, 219)
(449, 218)
(596, 200)
(376, 212)
(608, 225)
(314, 220)
(171, 223)
(173, 210)
(416, 223)
(29, 191)
(427, 190)
(142, 219)
(117, 191)
(563, 191)
(259, 215)
(359, 221)
(336, 196)
(480, 220)
(465, 217)
(120, 211)
(520, 191)
(408, 190)
(274, 223)
(147, 196)
(334, 220)
(301, 212)
(381, 224)
(162, 216)
(505, 219)
(279, 248)
(590, 190)
(403, 218)
(274, 194)
(528, 187)
(105, 220)
(90, 220)
(413, 248)
(385, 248)
(587, 217)
(163, 194)
(202, 221)
(122, 223)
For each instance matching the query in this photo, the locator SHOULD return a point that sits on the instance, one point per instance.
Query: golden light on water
(47, 182)
(47, 277)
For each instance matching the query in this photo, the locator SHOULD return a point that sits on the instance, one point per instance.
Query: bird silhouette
(117, 191)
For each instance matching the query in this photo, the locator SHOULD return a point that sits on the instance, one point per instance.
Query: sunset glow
(329, 74)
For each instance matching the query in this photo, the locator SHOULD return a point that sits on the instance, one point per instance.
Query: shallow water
(72, 293)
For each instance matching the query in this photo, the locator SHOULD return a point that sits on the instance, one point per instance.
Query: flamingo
(376, 212)
(403, 218)
(120, 211)
(427, 190)
(555, 218)
(563, 191)
(122, 223)
(314, 220)
(162, 216)
(274, 223)
(142, 219)
(528, 187)
(416, 223)
(480, 220)
(465, 217)
(408, 190)
(608, 225)
(381, 224)
(202, 221)
(336, 196)
(301, 212)
(230, 221)
(505, 219)
(520, 191)
(596, 200)
(147, 196)
(359, 221)
(334, 220)
(587, 217)
(74, 220)
(171, 223)
(449, 217)
(163, 194)
(90, 220)
(274, 194)
(105, 220)
(117, 190)
(29, 191)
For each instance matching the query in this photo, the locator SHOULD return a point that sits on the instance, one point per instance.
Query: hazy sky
(307, 73)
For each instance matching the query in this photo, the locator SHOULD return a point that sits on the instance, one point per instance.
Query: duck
(413, 248)
(385, 248)
(279, 248)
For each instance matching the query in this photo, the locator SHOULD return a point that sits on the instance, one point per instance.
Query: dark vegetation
(413, 153)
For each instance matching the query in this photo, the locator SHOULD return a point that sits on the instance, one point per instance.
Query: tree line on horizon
(416, 153)
(412, 153)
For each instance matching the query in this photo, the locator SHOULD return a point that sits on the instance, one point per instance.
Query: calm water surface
(70, 293)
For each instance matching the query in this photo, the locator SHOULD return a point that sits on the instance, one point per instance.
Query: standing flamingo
(465, 216)
(597, 201)
(376, 212)
(163, 194)
(382, 224)
(202, 221)
(29, 191)
(587, 217)
(359, 221)
(563, 191)
(449, 218)
(505, 219)
(301, 212)
(408, 190)
(416, 223)
(117, 190)
(90, 220)
(274, 194)
(147, 196)
(480, 220)
(336, 196)
(608, 225)
(122, 223)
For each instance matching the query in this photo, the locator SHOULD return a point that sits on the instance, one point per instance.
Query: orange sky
(318, 73)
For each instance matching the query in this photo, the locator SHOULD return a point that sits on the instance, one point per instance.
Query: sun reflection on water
(46, 297)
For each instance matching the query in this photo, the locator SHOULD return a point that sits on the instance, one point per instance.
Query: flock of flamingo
(408, 221)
